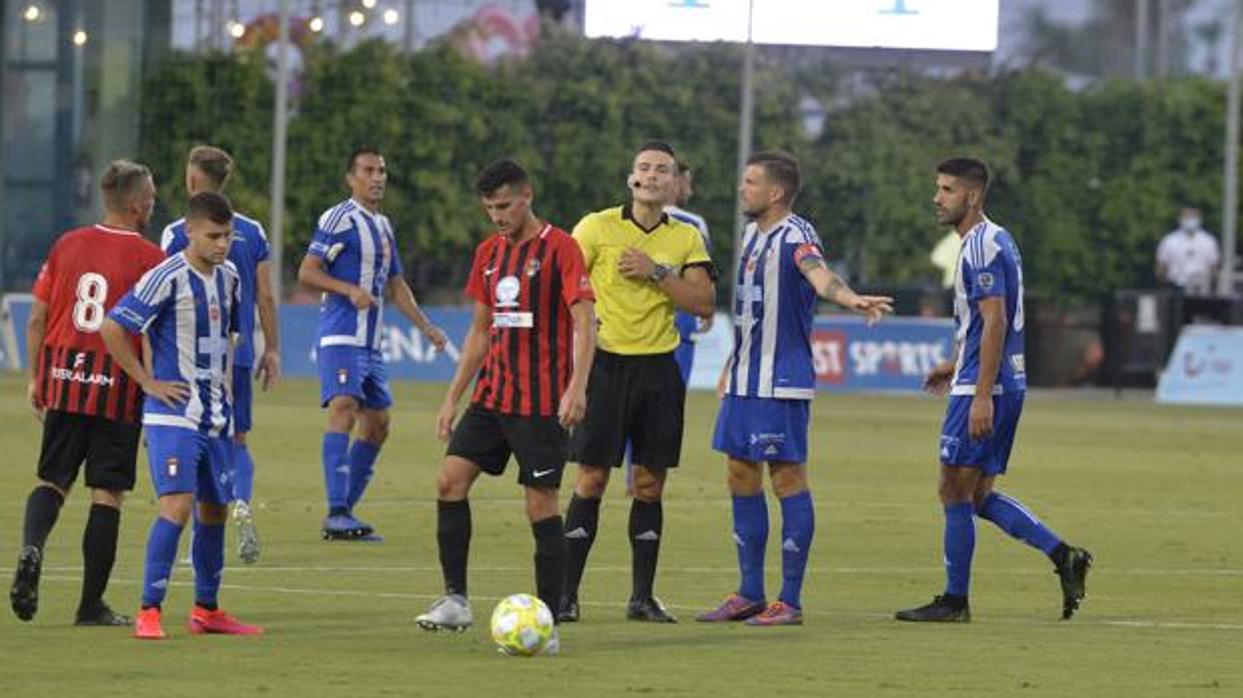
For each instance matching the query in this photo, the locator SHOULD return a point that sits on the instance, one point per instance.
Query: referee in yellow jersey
(642, 265)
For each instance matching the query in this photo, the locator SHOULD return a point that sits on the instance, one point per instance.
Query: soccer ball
(522, 625)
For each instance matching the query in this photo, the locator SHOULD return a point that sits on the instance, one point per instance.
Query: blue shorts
(685, 353)
(243, 395)
(187, 460)
(989, 454)
(354, 371)
(762, 429)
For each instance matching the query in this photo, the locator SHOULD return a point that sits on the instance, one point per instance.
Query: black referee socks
(582, 517)
(646, 527)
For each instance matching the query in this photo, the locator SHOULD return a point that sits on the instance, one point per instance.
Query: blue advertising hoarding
(893, 355)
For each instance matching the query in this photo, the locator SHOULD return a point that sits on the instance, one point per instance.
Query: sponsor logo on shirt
(507, 290)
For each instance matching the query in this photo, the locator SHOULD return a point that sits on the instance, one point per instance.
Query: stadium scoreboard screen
(946, 25)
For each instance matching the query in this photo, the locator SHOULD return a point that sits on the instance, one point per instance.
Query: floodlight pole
(280, 121)
(746, 131)
(1141, 38)
(1230, 192)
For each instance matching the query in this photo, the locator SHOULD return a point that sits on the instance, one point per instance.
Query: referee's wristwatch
(660, 272)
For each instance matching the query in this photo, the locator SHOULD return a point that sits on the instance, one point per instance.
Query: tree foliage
(1086, 180)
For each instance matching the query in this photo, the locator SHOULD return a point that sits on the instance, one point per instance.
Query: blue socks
(243, 473)
(208, 557)
(959, 547)
(161, 554)
(336, 471)
(362, 464)
(1013, 518)
(751, 535)
(798, 524)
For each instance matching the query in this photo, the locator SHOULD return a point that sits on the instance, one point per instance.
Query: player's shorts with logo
(990, 454)
(358, 372)
(631, 398)
(188, 460)
(108, 447)
(762, 429)
(487, 438)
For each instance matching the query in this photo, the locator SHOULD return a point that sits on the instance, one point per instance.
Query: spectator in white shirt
(1188, 257)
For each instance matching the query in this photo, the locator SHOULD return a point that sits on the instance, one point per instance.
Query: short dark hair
(498, 174)
(212, 206)
(213, 162)
(359, 152)
(120, 183)
(659, 146)
(782, 168)
(970, 169)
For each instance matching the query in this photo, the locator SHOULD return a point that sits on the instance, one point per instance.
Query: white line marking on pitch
(1008, 620)
(251, 569)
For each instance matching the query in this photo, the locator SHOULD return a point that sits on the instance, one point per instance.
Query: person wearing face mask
(1188, 257)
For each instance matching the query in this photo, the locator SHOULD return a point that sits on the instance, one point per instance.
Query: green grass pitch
(1155, 492)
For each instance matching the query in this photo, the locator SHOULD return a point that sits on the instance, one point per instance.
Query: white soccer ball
(522, 625)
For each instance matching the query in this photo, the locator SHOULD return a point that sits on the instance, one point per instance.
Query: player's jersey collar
(117, 231)
(627, 214)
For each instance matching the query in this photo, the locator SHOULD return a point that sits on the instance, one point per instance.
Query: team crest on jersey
(507, 290)
(985, 279)
(171, 466)
(533, 267)
(343, 375)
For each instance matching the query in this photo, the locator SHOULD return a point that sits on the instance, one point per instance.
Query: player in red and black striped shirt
(89, 406)
(531, 343)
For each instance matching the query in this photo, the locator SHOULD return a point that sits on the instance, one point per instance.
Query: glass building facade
(70, 73)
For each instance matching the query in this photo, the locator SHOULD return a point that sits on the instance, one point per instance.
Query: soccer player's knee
(213, 513)
(648, 489)
(376, 432)
(450, 486)
(108, 498)
(591, 482)
(62, 491)
(541, 503)
(342, 410)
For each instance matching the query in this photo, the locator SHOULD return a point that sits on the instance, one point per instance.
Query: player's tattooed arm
(830, 287)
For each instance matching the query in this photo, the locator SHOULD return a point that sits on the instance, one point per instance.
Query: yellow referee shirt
(635, 316)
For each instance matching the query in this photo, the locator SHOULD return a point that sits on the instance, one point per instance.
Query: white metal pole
(280, 120)
(1230, 192)
(746, 131)
(1141, 39)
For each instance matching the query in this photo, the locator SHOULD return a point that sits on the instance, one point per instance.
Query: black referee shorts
(487, 438)
(635, 399)
(108, 448)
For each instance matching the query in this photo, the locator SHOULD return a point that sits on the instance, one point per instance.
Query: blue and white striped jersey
(989, 265)
(774, 305)
(360, 248)
(249, 248)
(692, 219)
(188, 317)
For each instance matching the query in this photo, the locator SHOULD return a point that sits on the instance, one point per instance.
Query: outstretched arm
(830, 287)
